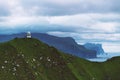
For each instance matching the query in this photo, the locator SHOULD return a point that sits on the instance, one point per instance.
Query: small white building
(29, 34)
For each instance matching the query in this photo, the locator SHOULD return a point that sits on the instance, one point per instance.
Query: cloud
(89, 37)
(66, 7)
(111, 47)
(58, 7)
(4, 12)
(89, 22)
(85, 20)
(79, 23)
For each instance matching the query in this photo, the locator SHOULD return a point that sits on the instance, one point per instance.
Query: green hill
(30, 59)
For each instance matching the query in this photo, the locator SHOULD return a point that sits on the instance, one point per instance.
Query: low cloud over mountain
(79, 18)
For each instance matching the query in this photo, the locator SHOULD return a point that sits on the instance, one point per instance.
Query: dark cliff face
(97, 47)
(64, 44)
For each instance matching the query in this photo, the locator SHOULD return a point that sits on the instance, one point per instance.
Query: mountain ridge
(65, 44)
(31, 59)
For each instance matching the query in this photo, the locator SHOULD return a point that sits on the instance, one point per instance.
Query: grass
(30, 59)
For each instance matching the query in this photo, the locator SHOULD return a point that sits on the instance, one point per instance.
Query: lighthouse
(28, 34)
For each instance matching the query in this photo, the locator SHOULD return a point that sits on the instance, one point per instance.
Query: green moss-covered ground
(30, 59)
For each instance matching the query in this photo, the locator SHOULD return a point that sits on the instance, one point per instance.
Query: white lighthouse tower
(28, 34)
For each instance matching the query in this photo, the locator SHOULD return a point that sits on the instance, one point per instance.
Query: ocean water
(105, 57)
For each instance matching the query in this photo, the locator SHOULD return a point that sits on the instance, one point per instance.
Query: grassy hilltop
(30, 59)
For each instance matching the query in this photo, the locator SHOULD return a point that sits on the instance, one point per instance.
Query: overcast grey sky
(85, 20)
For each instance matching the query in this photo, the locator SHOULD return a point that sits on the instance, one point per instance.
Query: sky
(95, 21)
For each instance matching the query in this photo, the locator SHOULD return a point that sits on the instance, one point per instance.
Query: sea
(104, 57)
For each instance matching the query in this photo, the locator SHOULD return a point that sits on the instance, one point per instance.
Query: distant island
(97, 47)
